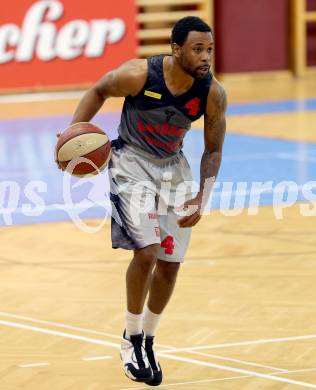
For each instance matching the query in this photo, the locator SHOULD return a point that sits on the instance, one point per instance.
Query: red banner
(49, 43)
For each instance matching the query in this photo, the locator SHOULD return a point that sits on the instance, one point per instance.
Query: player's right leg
(134, 226)
(138, 277)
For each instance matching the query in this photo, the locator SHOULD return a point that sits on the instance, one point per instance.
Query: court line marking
(71, 327)
(235, 360)
(93, 358)
(238, 370)
(60, 325)
(33, 365)
(190, 382)
(161, 354)
(218, 379)
(250, 342)
(57, 333)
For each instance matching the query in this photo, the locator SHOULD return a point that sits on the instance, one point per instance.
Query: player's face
(195, 55)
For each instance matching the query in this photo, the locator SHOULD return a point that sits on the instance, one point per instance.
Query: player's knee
(147, 257)
(167, 270)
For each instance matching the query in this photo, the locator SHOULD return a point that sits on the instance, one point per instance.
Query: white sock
(151, 322)
(134, 324)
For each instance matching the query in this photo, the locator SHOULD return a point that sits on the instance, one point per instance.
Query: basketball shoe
(134, 357)
(152, 358)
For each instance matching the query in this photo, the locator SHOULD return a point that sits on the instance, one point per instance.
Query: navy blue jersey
(155, 120)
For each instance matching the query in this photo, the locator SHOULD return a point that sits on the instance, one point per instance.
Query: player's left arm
(214, 134)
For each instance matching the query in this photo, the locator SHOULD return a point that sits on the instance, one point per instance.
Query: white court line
(239, 370)
(93, 358)
(164, 355)
(118, 337)
(60, 325)
(235, 360)
(57, 333)
(41, 97)
(218, 379)
(191, 382)
(33, 365)
(65, 326)
(250, 342)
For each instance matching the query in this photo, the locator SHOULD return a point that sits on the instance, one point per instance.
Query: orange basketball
(83, 149)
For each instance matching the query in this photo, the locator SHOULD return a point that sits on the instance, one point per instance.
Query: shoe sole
(139, 380)
(130, 376)
(154, 381)
(157, 378)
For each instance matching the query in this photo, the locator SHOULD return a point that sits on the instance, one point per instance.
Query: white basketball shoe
(134, 357)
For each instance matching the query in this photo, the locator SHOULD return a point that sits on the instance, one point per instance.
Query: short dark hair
(183, 26)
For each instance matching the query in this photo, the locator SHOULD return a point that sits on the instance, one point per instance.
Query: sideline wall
(252, 36)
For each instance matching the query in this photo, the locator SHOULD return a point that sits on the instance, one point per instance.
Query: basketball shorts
(146, 195)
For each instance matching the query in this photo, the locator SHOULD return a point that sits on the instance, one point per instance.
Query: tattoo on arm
(215, 126)
(210, 164)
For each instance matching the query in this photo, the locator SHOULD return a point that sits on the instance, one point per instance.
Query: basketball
(83, 149)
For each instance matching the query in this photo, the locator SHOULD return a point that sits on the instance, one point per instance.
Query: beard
(195, 73)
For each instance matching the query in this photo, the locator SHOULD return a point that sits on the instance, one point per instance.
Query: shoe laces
(149, 341)
(137, 342)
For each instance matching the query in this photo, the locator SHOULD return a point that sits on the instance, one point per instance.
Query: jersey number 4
(193, 106)
(168, 245)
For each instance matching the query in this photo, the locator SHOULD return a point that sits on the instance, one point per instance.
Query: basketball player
(163, 95)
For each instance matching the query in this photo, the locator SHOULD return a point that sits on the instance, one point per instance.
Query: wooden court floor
(243, 315)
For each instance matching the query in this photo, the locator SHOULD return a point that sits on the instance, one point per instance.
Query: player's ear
(176, 50)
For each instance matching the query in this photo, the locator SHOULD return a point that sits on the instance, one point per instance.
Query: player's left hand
(193, 211)
(55, 154)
